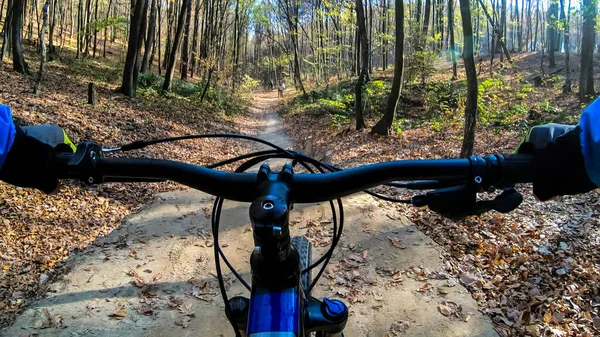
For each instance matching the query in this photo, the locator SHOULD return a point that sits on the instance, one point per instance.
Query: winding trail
(149, 275)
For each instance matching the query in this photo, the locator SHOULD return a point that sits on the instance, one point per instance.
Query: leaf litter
(534, 271)
(40, 231)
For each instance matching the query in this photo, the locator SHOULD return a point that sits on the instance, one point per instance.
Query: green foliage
(376, 94)
(527, 88)
(419, 64)
(418, 61)
(150, 85)
(249, 84)
(118, 22)
(488, 91)
(336, 100)
(338, 120)
(441, 98)
(150, 81)
(547, 108)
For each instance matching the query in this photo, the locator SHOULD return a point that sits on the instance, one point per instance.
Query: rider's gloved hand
(559, 163)
(30, 160)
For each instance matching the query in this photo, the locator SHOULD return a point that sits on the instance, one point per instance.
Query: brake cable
(253, 159)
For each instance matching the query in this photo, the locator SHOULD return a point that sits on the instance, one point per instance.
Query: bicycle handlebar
(88, 165)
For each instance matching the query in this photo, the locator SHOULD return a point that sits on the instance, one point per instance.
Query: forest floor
(536, 270)
(39, 232)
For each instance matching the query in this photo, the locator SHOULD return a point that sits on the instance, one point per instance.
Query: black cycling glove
(29, 162)
(559, 167)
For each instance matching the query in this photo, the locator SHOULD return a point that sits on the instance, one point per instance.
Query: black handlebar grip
(518, 168)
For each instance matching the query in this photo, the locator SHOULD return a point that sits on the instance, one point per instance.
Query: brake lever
(461, 201)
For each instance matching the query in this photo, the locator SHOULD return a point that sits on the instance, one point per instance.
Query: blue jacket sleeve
(590, 140)
(7, 132)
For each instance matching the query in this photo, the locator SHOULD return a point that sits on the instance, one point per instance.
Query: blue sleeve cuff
(590, 140)
(7, 132)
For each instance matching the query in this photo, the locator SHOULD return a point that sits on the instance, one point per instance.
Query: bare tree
(471, 106)
(565, 23)
(363, 78)
(176, 43)
(185, 53)
(129, 84)
(588, 41)
(149, 38)
(451, 34)
(16, 30)
(384, 125)
(38, 81)
(6, 35)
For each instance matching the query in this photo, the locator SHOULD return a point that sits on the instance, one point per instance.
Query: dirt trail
(154, 275)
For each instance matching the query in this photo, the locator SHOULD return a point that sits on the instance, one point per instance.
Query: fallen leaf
(119, 313)
(145, 310)
(399, 327)
(396, 242)
(157, 277)
(424, 288)
(92, 304)
(138, 281)
(183, 321)
(186, 308)
(557, 317)
(445, 310)
(547, 317)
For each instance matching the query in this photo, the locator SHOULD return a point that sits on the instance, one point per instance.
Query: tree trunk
(451, 34)
(565, 18)
(106, 28)
(128, 85)
(426, 18)
(384, 29)
(88, 32)
(175, 47)
(236, 44)
(36, 87)
(16, 30)
(537, 20)
(158, 64)
(588, 41)
(149, 38)
(55, 8)
(79, 27)
(364, 72)
(384, 125)
(195, 39)
(6, 34)
(170, 14)
(552, 19)
(95, 29)
(138, 54)
(185, 53)
(471, 106)
(496, 30)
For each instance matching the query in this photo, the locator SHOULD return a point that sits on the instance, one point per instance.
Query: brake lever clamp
(83, 163)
